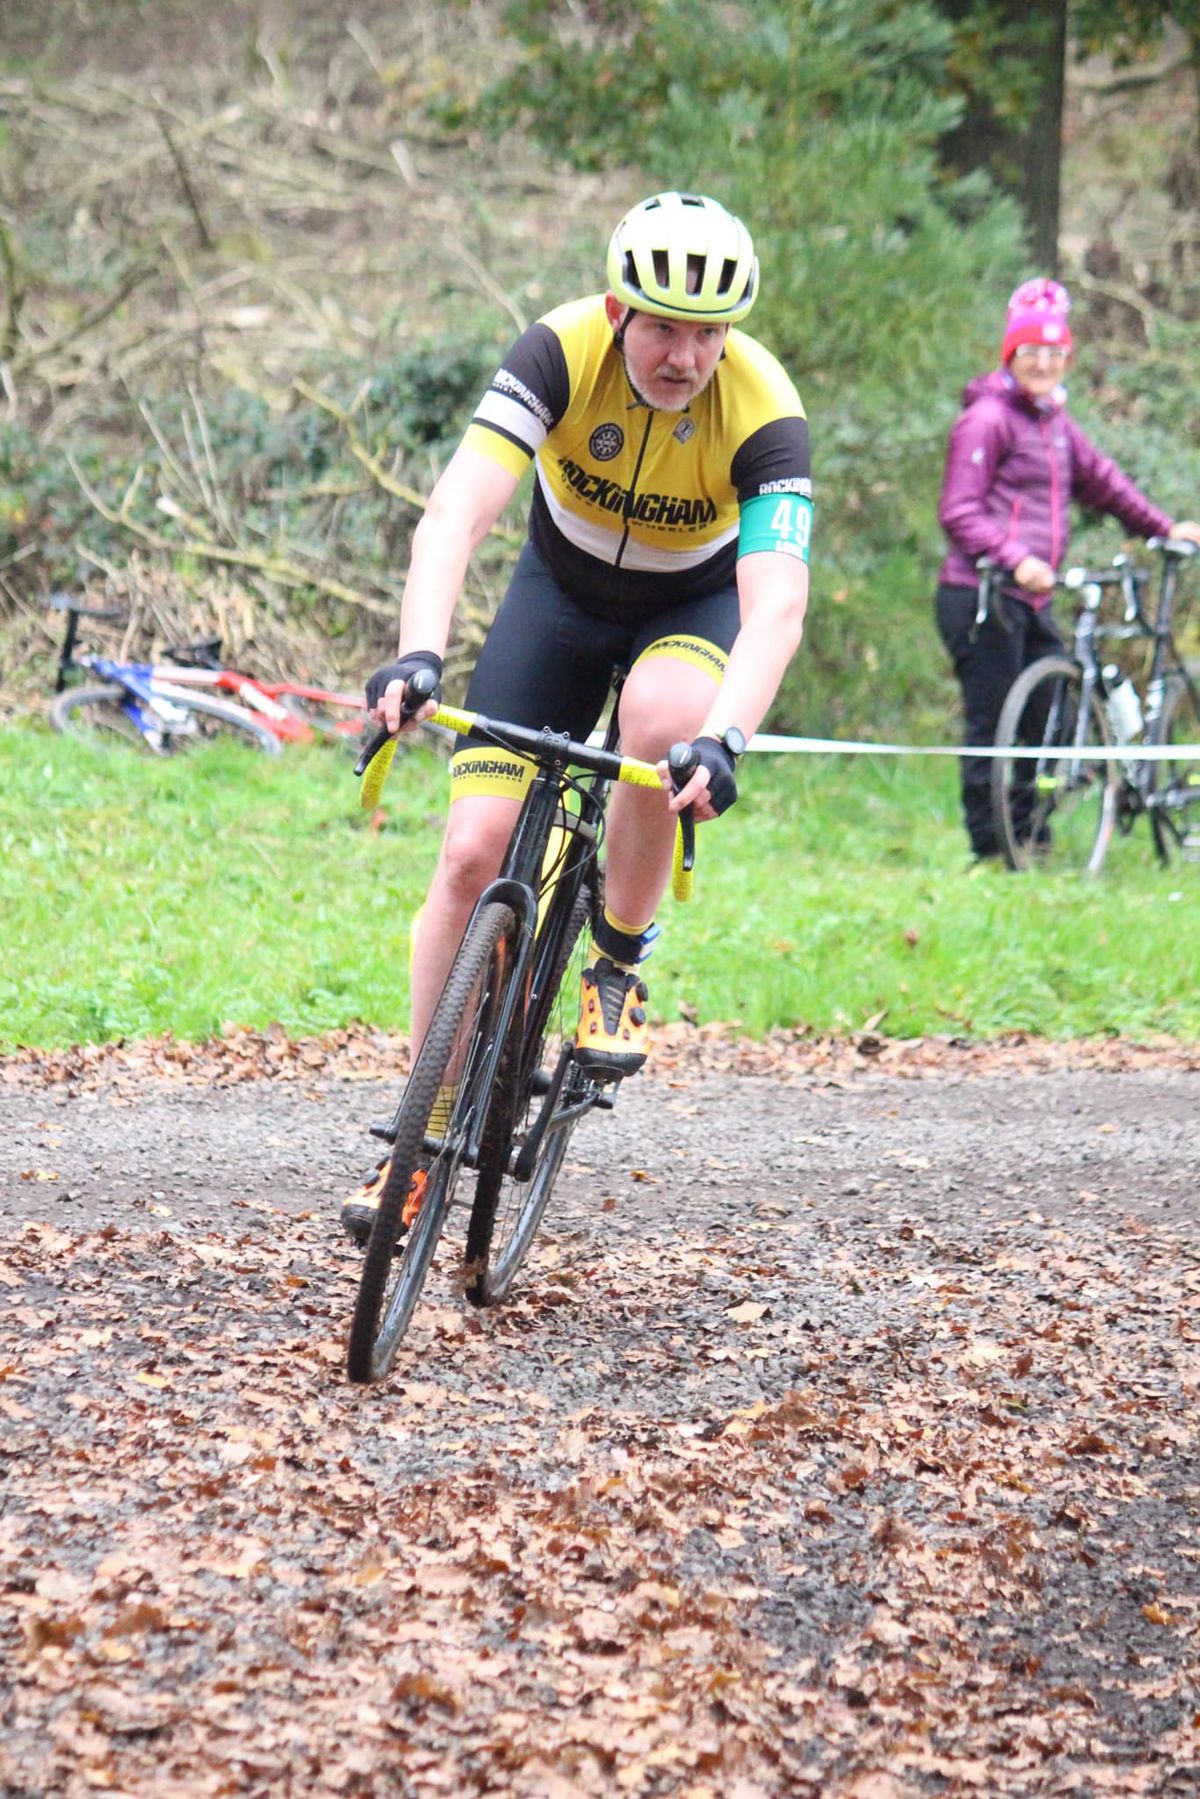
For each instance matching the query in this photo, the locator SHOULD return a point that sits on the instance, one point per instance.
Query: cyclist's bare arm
(773, 592)
(467, 501)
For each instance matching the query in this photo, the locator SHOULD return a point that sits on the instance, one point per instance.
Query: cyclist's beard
(680, 405)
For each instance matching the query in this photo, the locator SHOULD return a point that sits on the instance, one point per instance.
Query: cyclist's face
(668, 362)
(1038, 368)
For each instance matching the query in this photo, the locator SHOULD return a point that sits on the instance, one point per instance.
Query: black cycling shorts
(546, 663)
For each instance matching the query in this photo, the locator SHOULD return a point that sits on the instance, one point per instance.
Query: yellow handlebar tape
(376, 771)
(635, 774)
(682, 879)
(639, 774)
(375, 774)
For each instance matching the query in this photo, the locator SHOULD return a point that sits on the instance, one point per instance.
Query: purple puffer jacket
(1013, 466)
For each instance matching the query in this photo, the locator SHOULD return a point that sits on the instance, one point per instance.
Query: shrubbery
(819, 120)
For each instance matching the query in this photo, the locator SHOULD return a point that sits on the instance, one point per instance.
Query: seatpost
(67, 652)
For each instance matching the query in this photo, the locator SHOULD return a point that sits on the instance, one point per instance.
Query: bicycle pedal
(385, 1132)
(606, 1099)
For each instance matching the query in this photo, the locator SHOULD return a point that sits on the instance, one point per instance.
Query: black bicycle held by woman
(497, 1062)
(1062, 804)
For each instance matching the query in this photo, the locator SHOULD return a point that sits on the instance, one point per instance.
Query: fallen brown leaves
(358, 1052)
(621, 1536)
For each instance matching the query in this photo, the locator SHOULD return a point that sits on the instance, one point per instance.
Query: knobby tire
(1175, 809)
(506, 1212)
(462, 1029)
(1057, 811)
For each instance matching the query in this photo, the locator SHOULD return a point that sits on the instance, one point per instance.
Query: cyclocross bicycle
(135, 704)
(499, 1053)
(1062, 807)
(293, 711)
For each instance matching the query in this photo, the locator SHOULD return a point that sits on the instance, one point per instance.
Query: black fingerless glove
(403, 670)
(722, 788)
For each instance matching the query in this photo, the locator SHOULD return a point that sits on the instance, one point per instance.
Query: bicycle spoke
(1056, 810)
(542, 1096)
(1174, 801)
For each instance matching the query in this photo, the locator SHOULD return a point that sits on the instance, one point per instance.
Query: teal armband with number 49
(776, 521)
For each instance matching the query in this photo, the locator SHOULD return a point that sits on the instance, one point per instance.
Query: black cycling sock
(623, 947)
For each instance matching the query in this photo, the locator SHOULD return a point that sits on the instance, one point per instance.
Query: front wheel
(1058, 809)
(1174, 800)
(441, 1113)
(539, 1089)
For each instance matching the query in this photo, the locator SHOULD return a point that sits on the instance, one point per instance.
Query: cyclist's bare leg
(664, 701)
(477, 832)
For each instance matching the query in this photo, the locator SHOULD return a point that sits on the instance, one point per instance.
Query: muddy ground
(841, 1439)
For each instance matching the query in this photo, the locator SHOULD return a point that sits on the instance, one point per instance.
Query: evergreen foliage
(819, 122)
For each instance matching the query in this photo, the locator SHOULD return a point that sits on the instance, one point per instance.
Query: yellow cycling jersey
(632, 505)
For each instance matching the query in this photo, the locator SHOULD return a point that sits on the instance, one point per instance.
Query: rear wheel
(97, 715)
(540, 1087)
(114, 714)
(454, 1058)
(1056, 810)
(1175, 786)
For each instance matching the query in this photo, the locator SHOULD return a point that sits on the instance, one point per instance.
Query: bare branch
(185, 180)
(13, 296)
(274, 568)
(378, 473)
(129, 281)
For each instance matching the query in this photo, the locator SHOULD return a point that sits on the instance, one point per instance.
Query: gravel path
(841, 1440)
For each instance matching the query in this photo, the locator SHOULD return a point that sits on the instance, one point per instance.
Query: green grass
(139, 897)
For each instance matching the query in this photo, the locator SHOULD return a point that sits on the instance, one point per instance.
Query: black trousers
(987, 660)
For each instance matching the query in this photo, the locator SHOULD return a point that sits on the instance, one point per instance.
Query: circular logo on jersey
(605, 442)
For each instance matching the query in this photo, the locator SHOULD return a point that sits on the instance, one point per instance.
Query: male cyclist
(668, 535)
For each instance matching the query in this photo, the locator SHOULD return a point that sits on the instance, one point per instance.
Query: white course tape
(1125, 752)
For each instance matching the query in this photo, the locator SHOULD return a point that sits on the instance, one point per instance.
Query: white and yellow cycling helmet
(682, 256)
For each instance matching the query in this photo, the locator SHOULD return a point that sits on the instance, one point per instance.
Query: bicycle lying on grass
(166, 707)
(1063, 807)
(499, 1052)
(293, 711)
(134, 705)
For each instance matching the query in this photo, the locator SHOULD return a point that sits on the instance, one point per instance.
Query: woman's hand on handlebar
(1034, 575)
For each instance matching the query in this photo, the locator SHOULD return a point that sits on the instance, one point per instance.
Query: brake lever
(418, 690)
(682, 762)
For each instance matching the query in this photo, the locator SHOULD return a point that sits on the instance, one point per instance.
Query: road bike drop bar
(682, 761)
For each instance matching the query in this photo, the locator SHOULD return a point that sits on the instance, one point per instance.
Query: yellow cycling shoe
(613, 1035)
(360, 1207)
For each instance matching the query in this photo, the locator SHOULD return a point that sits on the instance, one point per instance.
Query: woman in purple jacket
(1015, 461)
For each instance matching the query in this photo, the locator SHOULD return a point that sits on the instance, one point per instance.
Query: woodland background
(258, 260)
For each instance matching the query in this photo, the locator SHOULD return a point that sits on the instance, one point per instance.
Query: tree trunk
(1024, 159)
